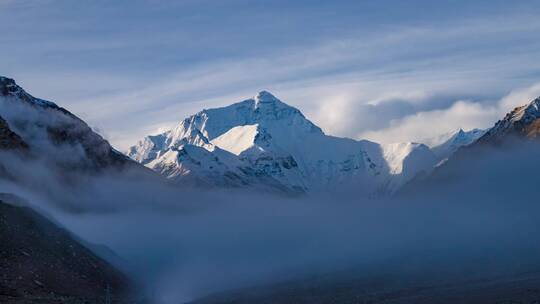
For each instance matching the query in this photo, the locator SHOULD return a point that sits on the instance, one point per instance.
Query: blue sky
(383, 70)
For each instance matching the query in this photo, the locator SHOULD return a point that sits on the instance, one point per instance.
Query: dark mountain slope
(43, 126)
(9, 140)
(46, 150)
(43, 263)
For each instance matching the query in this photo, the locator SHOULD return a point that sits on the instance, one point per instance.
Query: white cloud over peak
(464, 114)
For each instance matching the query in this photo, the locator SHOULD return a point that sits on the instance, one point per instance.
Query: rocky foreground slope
(41, 145)
(41, 262)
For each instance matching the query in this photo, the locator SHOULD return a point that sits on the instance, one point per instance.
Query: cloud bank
(464, 114)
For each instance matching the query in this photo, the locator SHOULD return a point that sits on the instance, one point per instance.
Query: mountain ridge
(48, 130)
(523, 121)
(509, 139)
(276, 141)
(456, 140)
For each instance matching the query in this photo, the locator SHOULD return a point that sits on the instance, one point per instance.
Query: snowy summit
(262, 141)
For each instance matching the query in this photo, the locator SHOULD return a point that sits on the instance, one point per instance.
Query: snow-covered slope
(268, 140)
(447, 144)
(238, 139)
(406, 160)
(398, 154)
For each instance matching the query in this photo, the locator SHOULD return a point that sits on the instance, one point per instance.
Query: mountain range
(263, 142)
(260, 144)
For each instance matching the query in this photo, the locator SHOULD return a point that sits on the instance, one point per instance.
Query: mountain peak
(264, 141)
(524, 120)
(527, 113)
(534, 107)
(446, 145)
(6, 81)
(8, 87)
(265, 97)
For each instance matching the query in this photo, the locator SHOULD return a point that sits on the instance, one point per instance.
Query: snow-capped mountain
(470, 163)
(262, 139)
(523, 121)
(447, 144)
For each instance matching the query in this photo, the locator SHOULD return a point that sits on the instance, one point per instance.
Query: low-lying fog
(481, 219)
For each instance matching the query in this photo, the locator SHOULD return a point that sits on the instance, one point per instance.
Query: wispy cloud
(355, 81)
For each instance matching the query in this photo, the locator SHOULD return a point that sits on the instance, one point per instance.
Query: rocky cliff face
(522, 122)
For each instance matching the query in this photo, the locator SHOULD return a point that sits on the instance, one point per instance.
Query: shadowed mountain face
(8, 139)
(47, 128)
(61, 153)
(43, 263)
(11, 142)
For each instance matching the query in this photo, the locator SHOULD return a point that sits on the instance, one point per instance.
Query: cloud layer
(464, 114)
(357, 69)
(186, 244)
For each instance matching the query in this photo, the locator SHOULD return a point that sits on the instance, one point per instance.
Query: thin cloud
(327, 78)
